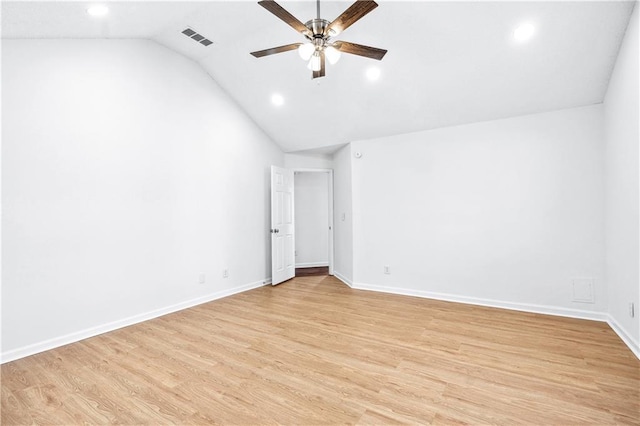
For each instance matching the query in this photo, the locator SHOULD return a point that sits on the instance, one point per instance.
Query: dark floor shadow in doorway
(312, 272)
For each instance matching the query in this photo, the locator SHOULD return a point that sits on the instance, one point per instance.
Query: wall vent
(583, 289)
(193, 35)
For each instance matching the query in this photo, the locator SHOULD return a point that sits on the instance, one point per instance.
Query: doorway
(313, 212)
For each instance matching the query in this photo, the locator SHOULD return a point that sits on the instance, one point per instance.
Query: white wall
(505, 212)
(312, 218)
(622, 137)
(308, 161)
(342, 211)
(126, 173)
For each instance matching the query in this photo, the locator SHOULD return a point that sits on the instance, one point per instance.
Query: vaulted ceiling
(448, 63)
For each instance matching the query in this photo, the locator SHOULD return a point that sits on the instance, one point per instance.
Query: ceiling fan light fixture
(317, 48)
(306, 51)
(332, 54)
(314, 62)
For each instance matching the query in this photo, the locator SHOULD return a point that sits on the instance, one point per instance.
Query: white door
(282, 226)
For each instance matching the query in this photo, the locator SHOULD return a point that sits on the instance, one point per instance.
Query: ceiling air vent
(197, 37)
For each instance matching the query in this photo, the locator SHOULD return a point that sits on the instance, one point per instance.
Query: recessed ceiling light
(277, 99)
(373, 73)
(524, 32)
(98, 10)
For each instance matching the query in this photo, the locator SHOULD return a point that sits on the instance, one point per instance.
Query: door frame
(330, 183)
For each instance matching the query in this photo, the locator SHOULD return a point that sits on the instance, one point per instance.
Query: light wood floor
(313, 351)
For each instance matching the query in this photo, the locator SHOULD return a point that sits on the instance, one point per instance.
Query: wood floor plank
(314, 351)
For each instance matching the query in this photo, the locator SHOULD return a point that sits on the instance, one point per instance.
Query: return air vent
(197, 37)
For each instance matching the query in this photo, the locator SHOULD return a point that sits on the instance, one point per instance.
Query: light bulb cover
(306, 50)
(332, 54)
(314, 62)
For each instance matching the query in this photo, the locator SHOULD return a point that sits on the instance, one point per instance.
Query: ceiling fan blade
(281, 13)
(320, 73)
(350, 16)
(360, 50)
(274, 50)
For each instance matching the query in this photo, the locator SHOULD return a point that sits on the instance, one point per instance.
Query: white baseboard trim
(624, 336)
(342, 278)
(514, 306)
(46, 345)
(312, 264)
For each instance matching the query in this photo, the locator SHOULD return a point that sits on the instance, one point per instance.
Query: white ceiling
(448, 63)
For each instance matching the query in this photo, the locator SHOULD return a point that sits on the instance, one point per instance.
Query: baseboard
(46, 345)
(624, 336)
(312, 265)
(524, 307)
(342, 278)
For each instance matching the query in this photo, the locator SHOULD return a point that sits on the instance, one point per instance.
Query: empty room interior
(320, 212)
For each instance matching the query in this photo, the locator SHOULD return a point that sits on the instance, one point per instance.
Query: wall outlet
(387, 270)
(225, 273)
(632, 310)
(202, 278)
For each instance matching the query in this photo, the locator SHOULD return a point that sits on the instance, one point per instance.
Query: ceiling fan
(318, 33)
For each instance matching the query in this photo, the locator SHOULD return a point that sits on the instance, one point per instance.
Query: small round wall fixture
(357, 154)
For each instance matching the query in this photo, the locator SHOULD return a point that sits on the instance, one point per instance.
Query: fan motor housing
(317, 27)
